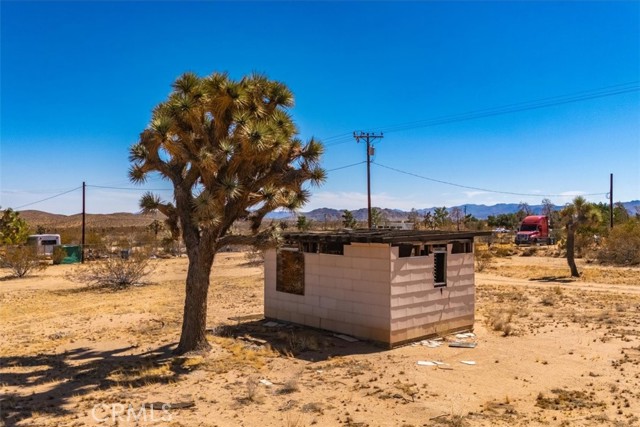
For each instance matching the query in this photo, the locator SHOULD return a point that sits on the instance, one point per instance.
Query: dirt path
(493, 279)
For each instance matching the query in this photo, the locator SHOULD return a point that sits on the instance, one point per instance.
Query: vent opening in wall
(439, 268)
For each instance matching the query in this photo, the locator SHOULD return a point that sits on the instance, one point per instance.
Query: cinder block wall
(347, 293)
(371, 293)
(418, 309)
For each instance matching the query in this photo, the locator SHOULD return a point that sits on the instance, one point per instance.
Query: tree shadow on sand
(56, 378)
(553, 279)
(292, 340)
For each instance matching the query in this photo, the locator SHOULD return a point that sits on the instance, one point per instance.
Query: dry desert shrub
(115, 273)
(500, 321)
(21, 260)
(562, 399)
(291, 385)
(254, 256)
(484, 259)
(622, 246)
(253, 391)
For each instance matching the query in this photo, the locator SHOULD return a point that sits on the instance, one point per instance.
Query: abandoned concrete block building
(389, 286)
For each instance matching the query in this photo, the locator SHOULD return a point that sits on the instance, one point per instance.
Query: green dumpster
(74, 254)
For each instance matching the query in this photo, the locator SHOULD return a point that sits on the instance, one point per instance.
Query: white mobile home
(389, 286)
(44, 243)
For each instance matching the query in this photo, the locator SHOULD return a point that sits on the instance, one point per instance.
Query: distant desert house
(389, 286)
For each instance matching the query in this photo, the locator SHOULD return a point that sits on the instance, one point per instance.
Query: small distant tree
(429, 221)
(620, 213)
(348, 220)
(509, 221)
(457, 216)
(303, 224)
(523, 210)
(441, 217)
(13, 229)
(377, 217)
(575, 215)
(473, 223)
(414, 218)
(548, 209)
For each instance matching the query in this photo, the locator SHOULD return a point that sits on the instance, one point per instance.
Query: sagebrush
(622, 246)
(21, 260)
(117, 272)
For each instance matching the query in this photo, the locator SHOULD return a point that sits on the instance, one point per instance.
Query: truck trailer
(534, 229)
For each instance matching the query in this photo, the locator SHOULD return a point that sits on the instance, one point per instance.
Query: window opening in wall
(290, 272)
(310, 247)
(461, 247)
(331, 248)
(406, 250)
(440, 268)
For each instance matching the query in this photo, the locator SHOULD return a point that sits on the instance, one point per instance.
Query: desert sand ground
(550, 350)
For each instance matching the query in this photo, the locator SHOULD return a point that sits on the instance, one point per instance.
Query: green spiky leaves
(229, 147)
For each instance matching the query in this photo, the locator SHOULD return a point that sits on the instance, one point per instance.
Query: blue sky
(79, 80)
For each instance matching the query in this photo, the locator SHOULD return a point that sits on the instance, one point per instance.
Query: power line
(130, 188)
(478, 188)
(503, 110)
(346, 166)
(552, 101)
(48, 198)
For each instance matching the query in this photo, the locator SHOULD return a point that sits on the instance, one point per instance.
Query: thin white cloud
(475, 193)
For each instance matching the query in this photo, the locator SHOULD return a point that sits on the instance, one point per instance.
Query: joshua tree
(377, 217)
(303, 224)
(348, 220)
(575, 215)
(441, 216)
(13, 229)
(230, 150)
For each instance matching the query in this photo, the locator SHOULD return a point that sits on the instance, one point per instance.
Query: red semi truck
(534, 229)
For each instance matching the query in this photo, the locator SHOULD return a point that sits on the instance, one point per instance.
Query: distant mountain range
(126, 219)
(478, 211)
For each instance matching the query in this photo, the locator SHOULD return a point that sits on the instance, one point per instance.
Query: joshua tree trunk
(571, 238)
(194, 322)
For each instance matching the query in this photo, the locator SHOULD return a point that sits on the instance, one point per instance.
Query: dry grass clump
(568, 400)
(291, 385)
(238, 355)
(144, 375)
(503, 251)
(483, 258)
(500, 321)
(253, 390)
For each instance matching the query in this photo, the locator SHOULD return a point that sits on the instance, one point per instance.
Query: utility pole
(611, 200)
(368, 137)
(84, 187)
